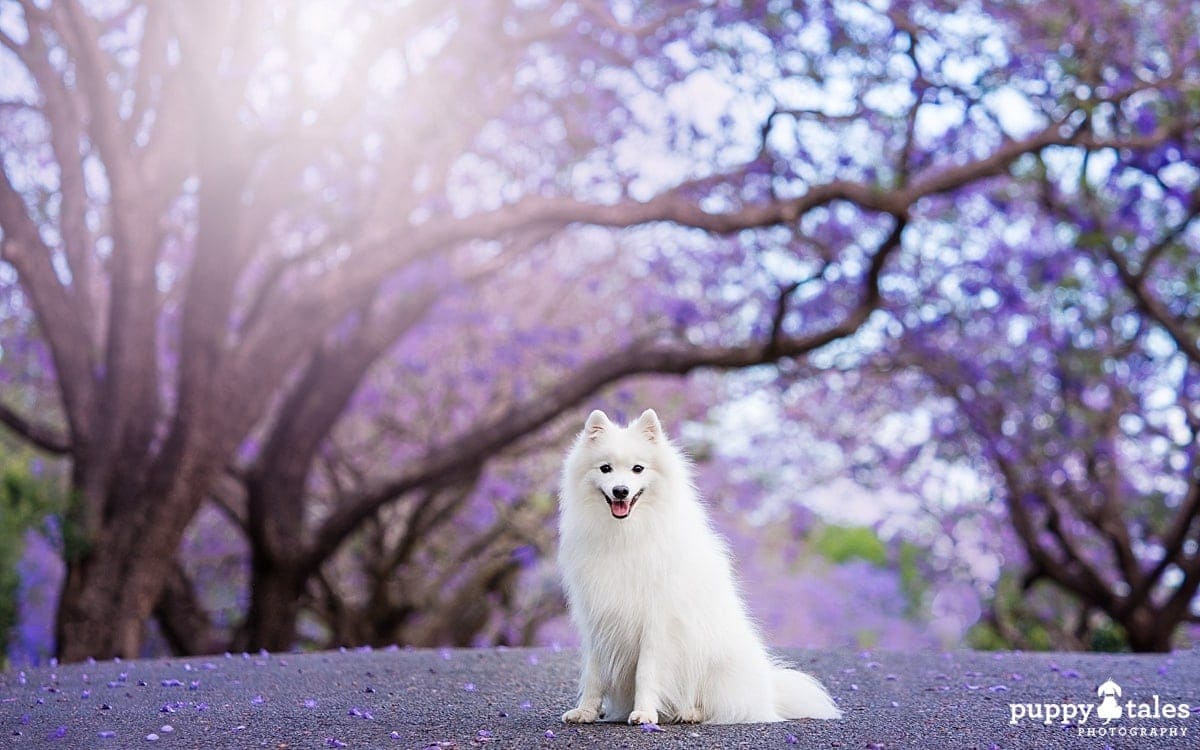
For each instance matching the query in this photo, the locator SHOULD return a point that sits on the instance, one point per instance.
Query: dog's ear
(649, 426)
(597, 422)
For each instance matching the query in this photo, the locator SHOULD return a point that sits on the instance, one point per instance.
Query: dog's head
(619, 465)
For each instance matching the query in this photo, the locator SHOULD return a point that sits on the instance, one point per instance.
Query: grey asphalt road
(513, 698)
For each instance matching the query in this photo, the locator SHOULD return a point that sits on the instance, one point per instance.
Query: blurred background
(301, 303)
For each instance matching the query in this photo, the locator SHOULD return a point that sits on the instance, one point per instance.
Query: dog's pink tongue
(619, 508)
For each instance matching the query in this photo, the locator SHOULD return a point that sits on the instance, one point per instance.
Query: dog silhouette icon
(1109, 709)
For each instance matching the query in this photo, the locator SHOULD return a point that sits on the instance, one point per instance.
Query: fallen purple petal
(106, 734)
(650, 728)
(331, 742)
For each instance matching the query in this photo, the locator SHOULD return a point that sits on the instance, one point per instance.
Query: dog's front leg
(591, 693)
(646, 685)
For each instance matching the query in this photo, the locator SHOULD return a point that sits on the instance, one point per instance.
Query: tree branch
(184, 622)
(43, 436)
(1152, 306)
(459, 458)
(60, 319)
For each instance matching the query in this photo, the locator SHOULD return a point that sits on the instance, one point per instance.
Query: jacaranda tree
(226, 224)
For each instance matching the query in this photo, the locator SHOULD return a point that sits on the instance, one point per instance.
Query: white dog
(666, 636)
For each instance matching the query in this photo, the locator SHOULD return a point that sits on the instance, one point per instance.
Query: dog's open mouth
(622, 508)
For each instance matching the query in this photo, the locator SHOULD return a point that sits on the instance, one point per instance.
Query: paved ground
(513, 698)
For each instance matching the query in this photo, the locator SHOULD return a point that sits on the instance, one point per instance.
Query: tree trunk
(106, 599)
(274, 605)
(121, 543)
(1148, 631)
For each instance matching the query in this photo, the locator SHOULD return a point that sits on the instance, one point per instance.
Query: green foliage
(1036, 620)
(839, 544)
(25, 501)
(1012, 624)
(1109, 637)
(912, 583)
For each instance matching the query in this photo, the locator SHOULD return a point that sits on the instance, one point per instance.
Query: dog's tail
(800, 696)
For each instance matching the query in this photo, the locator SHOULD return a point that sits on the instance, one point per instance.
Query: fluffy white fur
(665, 634)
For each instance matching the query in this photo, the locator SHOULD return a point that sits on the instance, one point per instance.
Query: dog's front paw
(580, 715)
(644, 717)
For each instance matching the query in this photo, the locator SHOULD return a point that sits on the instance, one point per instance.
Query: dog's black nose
(620, 492)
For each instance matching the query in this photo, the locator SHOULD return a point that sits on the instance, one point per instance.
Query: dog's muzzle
(621, 507)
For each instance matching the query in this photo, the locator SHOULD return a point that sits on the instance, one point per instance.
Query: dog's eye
(605, 468)
(638, 468)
